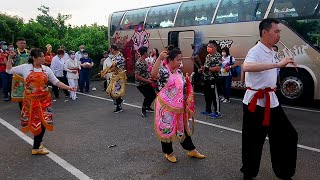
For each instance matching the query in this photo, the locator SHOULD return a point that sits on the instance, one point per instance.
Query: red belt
(75, 69)
(260, 94)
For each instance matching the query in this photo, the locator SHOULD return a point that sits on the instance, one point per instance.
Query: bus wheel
(296, 87)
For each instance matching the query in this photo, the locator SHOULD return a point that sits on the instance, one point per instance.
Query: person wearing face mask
(107, 63)
(57, 66)
(79, 54)
(117, 85)
(86, 64)
(228, 63)
(4, 76)
(173, 104)
(211, 71)
(72, 66)
(144, 82)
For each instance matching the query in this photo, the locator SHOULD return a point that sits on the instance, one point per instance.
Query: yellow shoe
(41, 145)
(196, 154)
(170, 158)
(39, 152)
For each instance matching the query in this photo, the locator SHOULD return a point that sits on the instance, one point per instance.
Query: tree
(46, 29)
(10, 27)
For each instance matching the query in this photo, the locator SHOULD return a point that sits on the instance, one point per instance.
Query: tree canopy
(46, 29)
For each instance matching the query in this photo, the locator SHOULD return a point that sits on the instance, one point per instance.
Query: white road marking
(237, 99)
(64, 164)
(200, 122)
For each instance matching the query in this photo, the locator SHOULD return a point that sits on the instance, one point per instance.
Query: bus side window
(115, 22)
(133, 18)
(161, 16)
(241, 11)
(192, 13)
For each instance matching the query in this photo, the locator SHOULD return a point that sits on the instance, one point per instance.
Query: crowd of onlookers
(73, 68)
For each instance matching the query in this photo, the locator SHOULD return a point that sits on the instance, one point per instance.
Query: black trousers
(117, 102)
(105, 84)
(149, 94)
(55, 89)
(38, 139)
(186, 144)
(283, 140)
(211, 95)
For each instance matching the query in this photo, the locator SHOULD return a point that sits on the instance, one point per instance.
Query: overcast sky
(82, 11)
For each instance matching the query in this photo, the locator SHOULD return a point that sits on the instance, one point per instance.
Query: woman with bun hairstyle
(36, 114)
(174, 105)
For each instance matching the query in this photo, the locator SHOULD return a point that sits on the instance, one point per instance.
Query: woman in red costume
(172, 108)
(48, 55)
(36, 115)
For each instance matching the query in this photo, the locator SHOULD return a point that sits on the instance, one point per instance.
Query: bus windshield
(301, 16)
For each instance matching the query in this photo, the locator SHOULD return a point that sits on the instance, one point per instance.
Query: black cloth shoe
(247, 177)
(118, 110)
(143, 112)
(149, 109)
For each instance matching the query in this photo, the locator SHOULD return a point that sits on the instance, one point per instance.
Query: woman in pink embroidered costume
(172, 110)
(36, 115)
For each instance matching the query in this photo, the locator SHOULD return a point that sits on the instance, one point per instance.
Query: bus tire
(295, 87)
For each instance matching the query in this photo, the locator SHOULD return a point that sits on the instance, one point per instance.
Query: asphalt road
(86, 128)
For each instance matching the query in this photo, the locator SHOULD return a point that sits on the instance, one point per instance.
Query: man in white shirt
(263, 114)
(79, 54)
(57, 66)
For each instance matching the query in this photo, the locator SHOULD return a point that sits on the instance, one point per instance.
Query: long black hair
(226, 49)
(35, 53)
(157, 52)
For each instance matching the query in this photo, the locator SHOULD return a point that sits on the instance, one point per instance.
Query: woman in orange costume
(36, 113)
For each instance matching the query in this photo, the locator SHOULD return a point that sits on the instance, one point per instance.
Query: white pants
(73, 83)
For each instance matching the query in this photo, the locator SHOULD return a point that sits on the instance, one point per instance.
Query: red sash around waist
(260, 94)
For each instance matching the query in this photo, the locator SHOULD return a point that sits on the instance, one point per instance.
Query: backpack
(234, 71)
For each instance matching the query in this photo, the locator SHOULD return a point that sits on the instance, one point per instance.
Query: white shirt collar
(264, 47)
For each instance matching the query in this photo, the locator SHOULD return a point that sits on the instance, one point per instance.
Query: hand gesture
(150, 81)
(11, 54)
(72, 88)
(74, 71)
(163, 55)
(286, 61)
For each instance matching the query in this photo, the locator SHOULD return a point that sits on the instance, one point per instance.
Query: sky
(82, 11)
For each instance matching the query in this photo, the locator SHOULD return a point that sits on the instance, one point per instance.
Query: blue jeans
(84, 79)
(6, 83)
(227, 86)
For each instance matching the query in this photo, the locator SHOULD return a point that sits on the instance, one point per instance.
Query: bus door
(183, 40)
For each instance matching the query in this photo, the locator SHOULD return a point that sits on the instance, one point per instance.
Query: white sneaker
(222, 99)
